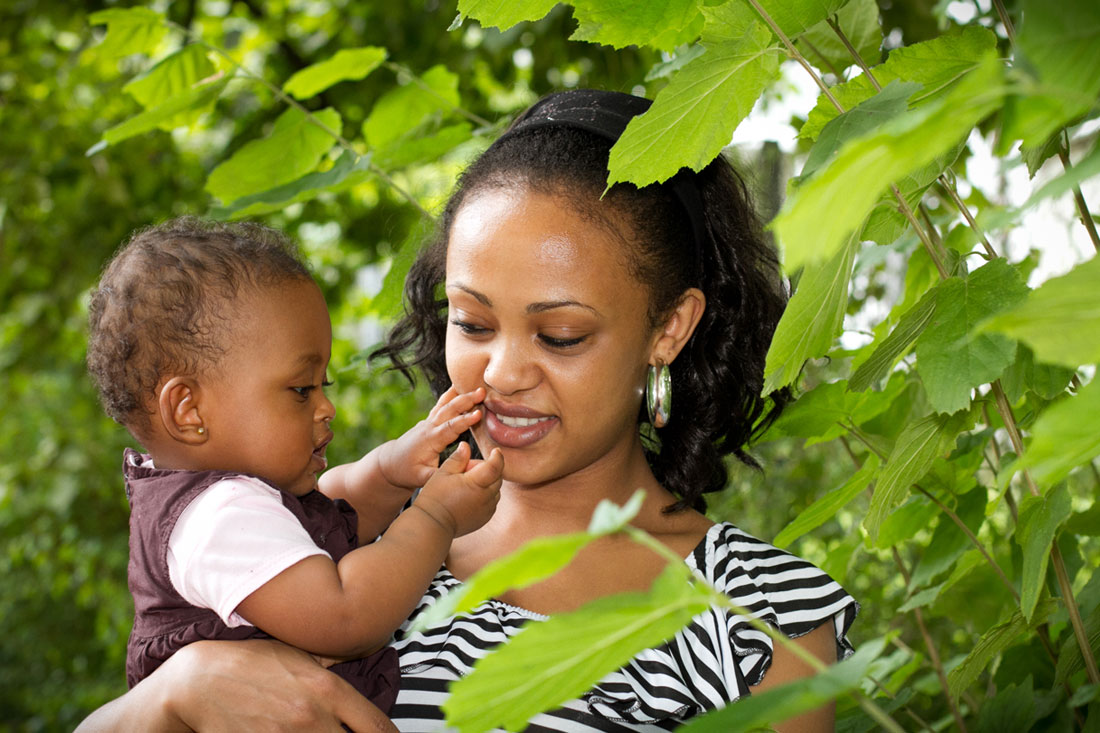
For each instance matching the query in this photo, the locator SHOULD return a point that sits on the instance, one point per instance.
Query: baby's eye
(560, 343)
(304, 392)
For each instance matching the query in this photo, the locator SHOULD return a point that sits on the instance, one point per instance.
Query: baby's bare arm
(351, 608)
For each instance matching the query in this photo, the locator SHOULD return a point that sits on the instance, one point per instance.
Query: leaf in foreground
(794, 698)
(1040, 518)
(552, 661)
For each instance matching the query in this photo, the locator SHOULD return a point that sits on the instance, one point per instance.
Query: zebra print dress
(705, 666)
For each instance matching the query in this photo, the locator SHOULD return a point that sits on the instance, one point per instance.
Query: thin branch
(794, 54)
(1002, 13)
(953, 194)
(1079, 199)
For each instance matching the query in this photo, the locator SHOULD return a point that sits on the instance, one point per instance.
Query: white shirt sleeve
(230, 540)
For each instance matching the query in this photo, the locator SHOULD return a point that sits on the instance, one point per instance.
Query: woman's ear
(178, 406)
(678, 327)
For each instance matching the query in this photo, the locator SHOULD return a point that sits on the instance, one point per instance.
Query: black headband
(607, 114)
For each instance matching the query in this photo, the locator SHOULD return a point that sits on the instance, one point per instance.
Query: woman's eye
(469, 328)
(560, 343)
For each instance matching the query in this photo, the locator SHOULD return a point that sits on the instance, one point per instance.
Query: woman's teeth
(520, 422)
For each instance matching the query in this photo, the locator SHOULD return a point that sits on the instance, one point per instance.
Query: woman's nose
(510, 368)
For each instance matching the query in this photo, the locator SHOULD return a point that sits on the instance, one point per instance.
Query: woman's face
(544, 315)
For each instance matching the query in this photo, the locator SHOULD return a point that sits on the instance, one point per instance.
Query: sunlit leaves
(812, 320)
(129, 30)
(828, 505)
(1060, 320)
(618, 23)
(1040, 517)
(504, 13)
(346, 64)
(294, 148)
(1065, 436)
(694, 117)
(197, 98)
(949, 360)
(399, 114)
(761, 709)
(859, 20)
(174, 75)
(935, 64)
(554, 660)
(918, 446)
(795, 17)
(824, 211)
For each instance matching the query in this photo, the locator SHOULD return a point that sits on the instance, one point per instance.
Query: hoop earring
(658, 394)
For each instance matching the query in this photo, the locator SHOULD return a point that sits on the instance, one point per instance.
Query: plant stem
(933, 653)
(794, 54)
(1002, 12)
(835, 25)
(953, 194)
(1079, 199)
(287, 99)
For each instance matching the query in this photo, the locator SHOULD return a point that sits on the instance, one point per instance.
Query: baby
(210, 344)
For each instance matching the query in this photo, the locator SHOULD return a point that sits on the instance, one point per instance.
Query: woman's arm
(239, 685)
(786, 667)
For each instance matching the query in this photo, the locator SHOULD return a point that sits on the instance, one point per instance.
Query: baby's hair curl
(164, 300)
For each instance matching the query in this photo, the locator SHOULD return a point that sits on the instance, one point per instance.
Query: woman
(562, 302)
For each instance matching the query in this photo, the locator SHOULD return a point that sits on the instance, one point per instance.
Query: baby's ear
(179, 410)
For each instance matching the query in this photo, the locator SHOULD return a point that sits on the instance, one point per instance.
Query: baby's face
(264, 409)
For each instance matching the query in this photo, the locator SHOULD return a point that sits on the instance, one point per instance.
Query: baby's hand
(463, 493)
(409, 461)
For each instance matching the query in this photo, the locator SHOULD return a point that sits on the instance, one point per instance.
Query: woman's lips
(516, 430)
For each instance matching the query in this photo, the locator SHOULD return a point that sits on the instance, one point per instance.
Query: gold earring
(201, 430)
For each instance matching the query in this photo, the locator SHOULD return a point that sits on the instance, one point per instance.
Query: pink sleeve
(229, 541)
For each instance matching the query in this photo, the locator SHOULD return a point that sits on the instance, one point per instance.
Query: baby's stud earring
(201, 430)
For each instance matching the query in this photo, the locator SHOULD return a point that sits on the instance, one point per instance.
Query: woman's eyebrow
(552, 304)
(480, 297)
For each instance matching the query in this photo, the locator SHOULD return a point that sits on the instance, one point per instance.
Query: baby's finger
(487, 473)
(457, 461)
(444, 398)
(461, 403)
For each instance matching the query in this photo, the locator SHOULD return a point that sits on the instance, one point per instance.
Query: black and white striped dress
(707, 665)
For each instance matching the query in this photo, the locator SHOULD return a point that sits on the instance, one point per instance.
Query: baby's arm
(351, 608)
(381, 482)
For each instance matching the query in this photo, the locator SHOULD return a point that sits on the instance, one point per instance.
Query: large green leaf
(196, 98)
(1064, 436)
(812, 320)
(694, 117)
(828, 505)
(824, 211)
(859, 20)
(795, 17)
(950, 362)
(554, 660)
(172, 76)
(504, 13)
(890, 349)
(403, 109)
(1060, 320)
(1025, 374)
(992, 643)
(1061, 43)
(1040, 517)
(921, 442)
(620, 23)
(293, 149)
(936, 65)
(427, 147)
(345, 65)
(348, 169)
(129, 30)
(761, 709)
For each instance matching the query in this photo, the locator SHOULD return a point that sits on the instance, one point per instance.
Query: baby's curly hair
(164, 300)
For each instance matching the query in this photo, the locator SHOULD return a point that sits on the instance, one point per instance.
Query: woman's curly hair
(717, 379)
(163, 302)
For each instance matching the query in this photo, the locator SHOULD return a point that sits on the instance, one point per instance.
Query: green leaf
(949, 542)
(387, 303)
(1012, 709)
(859, 20)
(609, 517)
(823, 212)
(293, 149)
(504, 13)
(620, 23)
(694, 117)
(403, 109)
(1084, 169)
(812, 320)
(429, 147)
(1061, 43)
(828, 505)
(950, 362)
(1064, 436)
(1040, 517)
(795, 17)
(859, 120)
(895, 345)
(345, 65)
(936, 65)
(968, 561)
(557, 659)
(197, 98)
(1060, 320)
(349, 169)
(129, 30)
(920, 443)
(1025, 375)
(173, 75)
(992, 643)
(1070, 659)
(761, 709)
(823, 413)
(915, 515)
